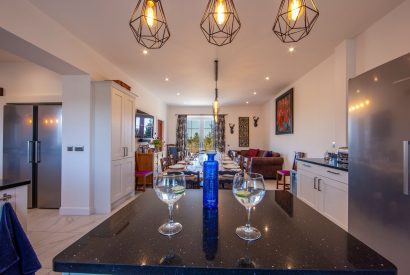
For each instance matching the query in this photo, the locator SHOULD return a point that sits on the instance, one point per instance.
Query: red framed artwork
(284, 113)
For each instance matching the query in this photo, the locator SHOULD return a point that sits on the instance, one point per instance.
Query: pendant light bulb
(150, 15)
(295, 10)
(220, 12)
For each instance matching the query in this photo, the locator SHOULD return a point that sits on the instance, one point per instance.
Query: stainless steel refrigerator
(379, 134)
(32, 150)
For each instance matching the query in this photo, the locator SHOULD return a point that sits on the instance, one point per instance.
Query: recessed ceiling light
(267, 78)
(247, 102)
(145, 51)
(178, 94)
(376, 79)
(291, 49)
(166, 79)
(254, 93)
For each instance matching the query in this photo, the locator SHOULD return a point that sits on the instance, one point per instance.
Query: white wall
(25, 82)
(314, 115)
(76, 195)
(320, 95)
(385, 40)
(257, 138)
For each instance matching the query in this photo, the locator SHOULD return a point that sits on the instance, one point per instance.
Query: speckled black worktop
(295, 240)
(322, 162)
(8, 184)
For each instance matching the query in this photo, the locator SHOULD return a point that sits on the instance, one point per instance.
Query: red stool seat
(284, 172)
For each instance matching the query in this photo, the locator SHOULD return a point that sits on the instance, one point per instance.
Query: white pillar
(76, 189)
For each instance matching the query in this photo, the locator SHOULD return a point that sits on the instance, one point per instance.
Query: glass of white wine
(249, 190)
(169, 188)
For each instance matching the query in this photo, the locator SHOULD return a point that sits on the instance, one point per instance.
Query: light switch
(70, 148)
(79, 148)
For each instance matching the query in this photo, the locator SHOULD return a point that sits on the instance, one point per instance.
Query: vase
(210, 184)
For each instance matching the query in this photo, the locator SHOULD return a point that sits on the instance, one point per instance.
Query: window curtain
(182, 133)
(220, 134)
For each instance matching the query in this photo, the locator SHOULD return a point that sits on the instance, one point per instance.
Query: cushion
(262, 153)
(276, 155)
(253, 153)
(268, 154)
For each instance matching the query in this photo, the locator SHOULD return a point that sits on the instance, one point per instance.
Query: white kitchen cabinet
(114, 145)
(326, 190)
(18, 200)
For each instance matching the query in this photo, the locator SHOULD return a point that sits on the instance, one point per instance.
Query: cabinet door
(306, 190)
(333, 201)
(117, 118)
(128, 127)
(128, 177)
(12, 193)
(116, 180)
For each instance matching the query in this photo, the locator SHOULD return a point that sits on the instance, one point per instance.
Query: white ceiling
(187, 58)
(7, 57)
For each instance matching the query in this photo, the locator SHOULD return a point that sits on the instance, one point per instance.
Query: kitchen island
(295, 240)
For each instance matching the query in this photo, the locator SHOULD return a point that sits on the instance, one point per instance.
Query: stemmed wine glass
(170, 188)
(249, 190)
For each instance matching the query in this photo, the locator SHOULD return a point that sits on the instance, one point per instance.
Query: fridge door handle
(29, 151)
(37, 156)
(406, 164)
(314, 182)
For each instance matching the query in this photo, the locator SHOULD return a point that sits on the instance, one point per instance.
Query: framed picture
(284, 113)
(244, 132)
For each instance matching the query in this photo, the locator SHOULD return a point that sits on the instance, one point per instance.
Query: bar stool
(283, 174)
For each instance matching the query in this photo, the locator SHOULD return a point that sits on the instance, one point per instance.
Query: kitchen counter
(8, 184)
(295, 239)
(322, 162)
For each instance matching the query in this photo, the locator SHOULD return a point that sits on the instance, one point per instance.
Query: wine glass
(169, 188)
(249, 190)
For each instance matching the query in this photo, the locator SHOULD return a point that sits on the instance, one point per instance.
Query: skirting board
(76, 211)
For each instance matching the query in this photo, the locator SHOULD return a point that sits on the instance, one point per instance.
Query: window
(200, 133)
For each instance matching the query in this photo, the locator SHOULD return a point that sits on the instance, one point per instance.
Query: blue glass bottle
(210, 232)
(210, 186)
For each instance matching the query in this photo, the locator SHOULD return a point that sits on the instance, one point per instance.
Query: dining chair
(192, 179)
(226, 178)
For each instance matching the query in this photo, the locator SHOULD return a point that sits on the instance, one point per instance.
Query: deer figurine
(232, 126)
(255, 121)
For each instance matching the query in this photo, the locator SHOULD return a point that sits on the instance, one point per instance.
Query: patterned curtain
(220, 134)
(182, 133)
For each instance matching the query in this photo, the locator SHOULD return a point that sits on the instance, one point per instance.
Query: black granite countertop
(295, 240)
(322, 162)
(7, 184)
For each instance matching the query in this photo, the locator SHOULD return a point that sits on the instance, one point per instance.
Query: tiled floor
(50, 233)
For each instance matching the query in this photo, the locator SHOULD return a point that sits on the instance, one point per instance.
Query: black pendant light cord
(216, 79)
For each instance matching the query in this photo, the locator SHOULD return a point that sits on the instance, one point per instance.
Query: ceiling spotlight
(254, 93)
(178, 94)
(247, 102)
(267, 78)
(145, 52)
(166, 79)
(291, 49)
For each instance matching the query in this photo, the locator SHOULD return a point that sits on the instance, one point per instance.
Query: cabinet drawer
(322, 171)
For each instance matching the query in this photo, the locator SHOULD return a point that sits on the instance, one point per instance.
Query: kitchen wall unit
(114, 146)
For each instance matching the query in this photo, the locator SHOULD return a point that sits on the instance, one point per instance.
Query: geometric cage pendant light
(295, 20)
(149, 24)
(220, 22)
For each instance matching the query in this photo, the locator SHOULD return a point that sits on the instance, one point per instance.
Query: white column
(76, 180)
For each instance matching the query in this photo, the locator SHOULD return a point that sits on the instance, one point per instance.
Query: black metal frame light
(215, 104)
(222, 32)
(295, 20)
(150, 30)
